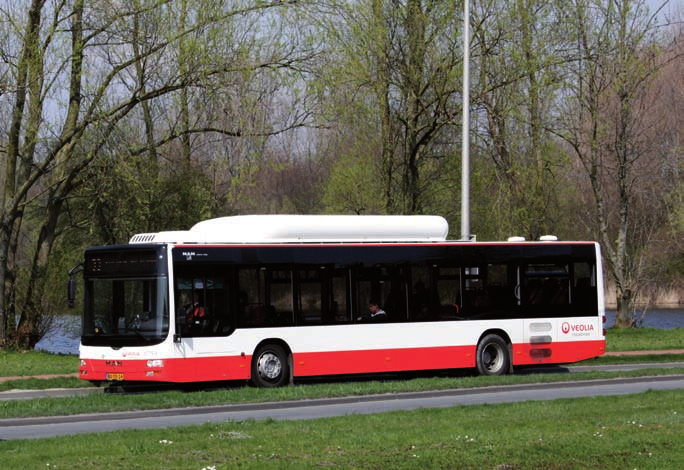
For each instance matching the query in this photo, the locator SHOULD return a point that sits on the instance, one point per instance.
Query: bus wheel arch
(271, 364)
(494, 354)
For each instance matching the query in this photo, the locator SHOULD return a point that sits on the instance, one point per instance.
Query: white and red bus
(272, 298)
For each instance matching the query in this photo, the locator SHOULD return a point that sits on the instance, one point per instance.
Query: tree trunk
(28, 85)
(625, 309)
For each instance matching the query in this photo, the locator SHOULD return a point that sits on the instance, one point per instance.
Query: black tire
(270, 366)
(493, 357)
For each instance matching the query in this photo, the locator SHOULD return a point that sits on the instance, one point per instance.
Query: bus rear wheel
(270, 366)
(492, 356)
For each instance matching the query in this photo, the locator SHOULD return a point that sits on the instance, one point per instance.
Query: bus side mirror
(71, 285)
(71, 293)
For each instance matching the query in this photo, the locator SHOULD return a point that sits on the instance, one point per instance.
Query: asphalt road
(31, 428)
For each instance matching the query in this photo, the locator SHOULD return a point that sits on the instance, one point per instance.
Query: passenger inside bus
(376, 313)
(194, 313)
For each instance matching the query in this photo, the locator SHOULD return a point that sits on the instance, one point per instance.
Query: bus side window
(251, 297)
(448, 293)
(339, 305)
(535, 292)
(583, 296)
(582, 291)
(419, 307)
(546, 289)
(191, 315)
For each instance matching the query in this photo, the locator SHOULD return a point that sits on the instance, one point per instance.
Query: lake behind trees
(65, 337)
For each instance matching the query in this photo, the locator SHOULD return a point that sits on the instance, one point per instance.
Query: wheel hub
(269, 366)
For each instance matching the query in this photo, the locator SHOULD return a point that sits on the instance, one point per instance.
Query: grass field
(640, 431)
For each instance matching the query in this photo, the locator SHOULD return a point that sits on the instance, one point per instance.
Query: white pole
(465, 158)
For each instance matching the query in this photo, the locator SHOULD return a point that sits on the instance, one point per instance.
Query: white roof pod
(307, 228)
(516, 239)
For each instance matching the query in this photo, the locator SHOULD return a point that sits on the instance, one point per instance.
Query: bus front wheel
(270, 366)
(492, 356)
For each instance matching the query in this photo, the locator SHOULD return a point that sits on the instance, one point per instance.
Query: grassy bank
(644, 339)
(31, 363)
(638, 431)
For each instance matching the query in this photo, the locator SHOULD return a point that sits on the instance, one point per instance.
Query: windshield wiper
(137, 332)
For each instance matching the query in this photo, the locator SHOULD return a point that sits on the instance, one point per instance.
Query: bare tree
(610, 131)
(80, 79)
(518, 56)
(401, 64)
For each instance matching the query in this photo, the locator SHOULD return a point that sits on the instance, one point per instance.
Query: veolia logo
(575, 329)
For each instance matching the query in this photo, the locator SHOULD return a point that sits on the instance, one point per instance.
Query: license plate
(115, 376)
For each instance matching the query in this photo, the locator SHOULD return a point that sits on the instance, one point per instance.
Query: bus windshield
(126, 297)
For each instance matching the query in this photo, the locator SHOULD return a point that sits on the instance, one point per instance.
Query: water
(65, 337)
(662, 319)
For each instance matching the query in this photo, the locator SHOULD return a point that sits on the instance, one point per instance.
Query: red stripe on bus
(200, 369)
(557, 352)
(382, 360)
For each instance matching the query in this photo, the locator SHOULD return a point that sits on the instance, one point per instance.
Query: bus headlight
(155, 363)
(83, 363)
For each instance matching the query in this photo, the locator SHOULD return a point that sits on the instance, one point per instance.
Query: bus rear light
(155, 363)
(605, 320)
(542, 353)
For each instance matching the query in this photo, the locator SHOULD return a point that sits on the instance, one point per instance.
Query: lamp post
(465, 157)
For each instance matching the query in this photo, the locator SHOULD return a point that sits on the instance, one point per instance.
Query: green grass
(644, 339)
(28, 363)
(43, 384)
(636, 431)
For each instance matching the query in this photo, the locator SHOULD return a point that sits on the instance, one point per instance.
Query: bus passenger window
(448, 297)
(251, 297)
(582, 295)
(202, 306)
(339, 307)
(546, 290)
(309, 296)
(265, 297)
(191, 313)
